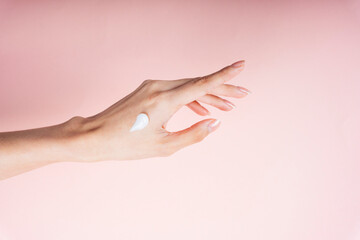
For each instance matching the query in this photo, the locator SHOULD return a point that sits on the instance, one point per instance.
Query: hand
(106, 135)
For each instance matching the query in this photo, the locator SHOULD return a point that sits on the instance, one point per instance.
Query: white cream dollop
(142, 120)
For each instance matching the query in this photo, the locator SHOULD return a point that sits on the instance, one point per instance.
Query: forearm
(22, 151)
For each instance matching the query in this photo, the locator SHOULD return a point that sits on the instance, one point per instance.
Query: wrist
(79, 138)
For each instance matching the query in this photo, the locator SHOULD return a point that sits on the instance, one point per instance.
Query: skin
(106, 135)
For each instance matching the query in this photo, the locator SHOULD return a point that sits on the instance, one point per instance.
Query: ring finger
(217, 102)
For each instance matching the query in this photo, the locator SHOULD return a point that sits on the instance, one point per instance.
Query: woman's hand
(107, 135)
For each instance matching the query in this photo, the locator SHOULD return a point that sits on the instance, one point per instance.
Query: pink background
(283, 165)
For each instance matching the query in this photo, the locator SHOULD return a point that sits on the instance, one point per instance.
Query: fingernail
(243, 90)
(213, 125)
(230, 104)
(238, 64)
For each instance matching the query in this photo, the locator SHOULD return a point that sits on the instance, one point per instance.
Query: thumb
(193, 134)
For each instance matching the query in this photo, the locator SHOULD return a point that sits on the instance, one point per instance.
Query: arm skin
(22, 151)
(106, 136)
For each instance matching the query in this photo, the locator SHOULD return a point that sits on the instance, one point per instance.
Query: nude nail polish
(242, 90)
(213, 125)
(230, 104)
(238, 64)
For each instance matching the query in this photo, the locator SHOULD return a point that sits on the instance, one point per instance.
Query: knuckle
(152, 85)
(76, 120)
(198, 136)
(146, 82)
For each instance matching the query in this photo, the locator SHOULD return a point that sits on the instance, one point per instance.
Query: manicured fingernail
(213, 125)
(230, 104)
(238, 64)
(243, 90)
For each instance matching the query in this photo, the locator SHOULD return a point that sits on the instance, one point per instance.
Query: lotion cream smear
(142, 120)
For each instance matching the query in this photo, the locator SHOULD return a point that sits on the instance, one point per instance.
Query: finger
(229, 90)
(196, 133)
(198, 108)
(217, 102)
(226, 90)
(198, 87)
(170, 84)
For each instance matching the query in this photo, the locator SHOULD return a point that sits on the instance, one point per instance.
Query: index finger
(198, 87)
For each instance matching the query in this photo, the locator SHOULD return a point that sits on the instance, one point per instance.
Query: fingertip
(237, 67)
(238, 64)
(244, 90)
(213, 125)
(230, 104)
